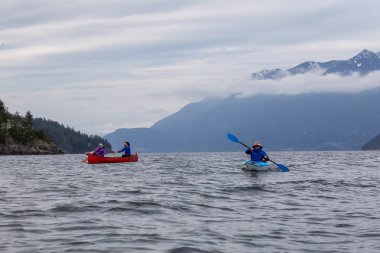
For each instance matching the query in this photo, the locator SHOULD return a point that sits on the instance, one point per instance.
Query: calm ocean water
(191, 202)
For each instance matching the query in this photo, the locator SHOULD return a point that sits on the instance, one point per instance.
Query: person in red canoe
(126, 149)
(257, 153)
(99, 150)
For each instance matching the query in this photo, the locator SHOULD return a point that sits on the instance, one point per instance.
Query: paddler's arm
(121, 150)
(265, 156)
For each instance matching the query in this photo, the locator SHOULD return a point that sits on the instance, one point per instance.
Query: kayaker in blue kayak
(99, 150)
(257, 153)
(126, 149)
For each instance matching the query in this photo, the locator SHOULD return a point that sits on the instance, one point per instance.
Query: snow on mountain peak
(363, 63)
(364, 54)
(267, 73)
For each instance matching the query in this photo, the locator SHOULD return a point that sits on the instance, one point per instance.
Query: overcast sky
(101, 65)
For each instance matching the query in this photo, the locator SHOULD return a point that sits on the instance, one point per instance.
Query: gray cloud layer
(100, 65)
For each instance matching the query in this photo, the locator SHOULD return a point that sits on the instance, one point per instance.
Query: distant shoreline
(35, 148)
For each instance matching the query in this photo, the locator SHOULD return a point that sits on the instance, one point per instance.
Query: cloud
(99, 64)
(312, 83)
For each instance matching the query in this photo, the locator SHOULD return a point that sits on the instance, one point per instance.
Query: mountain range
(373, 144)
(311, 121)
(363, 63)
(320, 121)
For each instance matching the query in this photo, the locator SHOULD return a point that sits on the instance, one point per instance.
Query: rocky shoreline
(34, 148)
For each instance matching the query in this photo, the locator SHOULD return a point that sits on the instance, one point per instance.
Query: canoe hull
(91, 159)
(258, 166)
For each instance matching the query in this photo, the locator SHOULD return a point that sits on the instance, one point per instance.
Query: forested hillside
(26, 135)
(68, 139)
(18, 136)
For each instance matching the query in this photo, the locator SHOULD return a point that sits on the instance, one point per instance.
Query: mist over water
(191, 202)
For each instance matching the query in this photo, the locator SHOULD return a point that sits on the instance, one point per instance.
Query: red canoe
(103, 159)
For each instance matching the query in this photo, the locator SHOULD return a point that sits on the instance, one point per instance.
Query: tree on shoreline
(68, 139)
(18, 129)
(4, 115)
(15, 128)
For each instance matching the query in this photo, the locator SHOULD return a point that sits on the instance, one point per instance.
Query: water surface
(191, 202)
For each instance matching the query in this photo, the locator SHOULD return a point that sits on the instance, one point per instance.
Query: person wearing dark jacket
(257, 153)
(126, 149)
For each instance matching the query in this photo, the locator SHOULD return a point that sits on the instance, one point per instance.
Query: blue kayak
(250, 165)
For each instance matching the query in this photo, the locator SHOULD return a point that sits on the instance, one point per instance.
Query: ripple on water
(189, 250)
(68, 208)
(191, 202)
